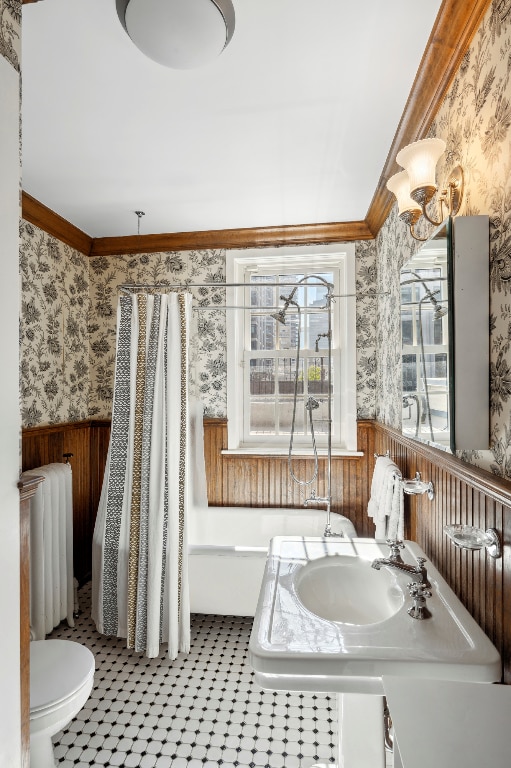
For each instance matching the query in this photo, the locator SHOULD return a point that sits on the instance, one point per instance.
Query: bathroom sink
(327, 621)
(346, 589)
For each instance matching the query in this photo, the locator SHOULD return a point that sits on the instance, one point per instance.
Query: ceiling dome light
(181, 34)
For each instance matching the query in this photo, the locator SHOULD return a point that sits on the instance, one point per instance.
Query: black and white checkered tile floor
(203, 710)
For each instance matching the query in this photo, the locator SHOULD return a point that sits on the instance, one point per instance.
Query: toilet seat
(59, 669)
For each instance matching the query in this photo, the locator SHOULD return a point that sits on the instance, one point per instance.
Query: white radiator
(51, 550)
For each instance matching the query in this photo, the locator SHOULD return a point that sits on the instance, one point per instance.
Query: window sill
(282, 452)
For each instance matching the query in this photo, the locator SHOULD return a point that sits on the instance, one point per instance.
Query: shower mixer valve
(313, 499)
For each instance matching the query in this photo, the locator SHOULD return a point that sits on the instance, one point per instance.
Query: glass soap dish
(469, 537)
(418, 486)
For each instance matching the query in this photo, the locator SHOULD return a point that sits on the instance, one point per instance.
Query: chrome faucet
(418, 571)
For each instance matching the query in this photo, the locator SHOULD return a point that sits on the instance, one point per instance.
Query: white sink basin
(346, 589)
(327, 621)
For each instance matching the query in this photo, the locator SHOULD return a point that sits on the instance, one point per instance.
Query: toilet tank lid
(58, 668)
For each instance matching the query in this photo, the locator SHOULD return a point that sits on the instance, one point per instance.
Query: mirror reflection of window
(424, 332)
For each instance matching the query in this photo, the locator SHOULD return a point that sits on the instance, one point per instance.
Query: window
(262, 362)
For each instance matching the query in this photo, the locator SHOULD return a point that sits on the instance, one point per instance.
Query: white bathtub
(228, 548)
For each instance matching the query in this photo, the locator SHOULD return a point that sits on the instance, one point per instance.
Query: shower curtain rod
(129, 287)
(295, 284)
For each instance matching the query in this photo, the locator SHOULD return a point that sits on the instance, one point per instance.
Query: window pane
(262, 376)
(319, 415)
(316, 292)
(286, 367)
(294, 291)
(262, 332)
(406, 326)
(409, 368)
(431, 328)
(288, 333)
(262, 396)
(285, 411)
(262, 415)
(263, 296)
(317, 375)
(316, 331)
(436, 369)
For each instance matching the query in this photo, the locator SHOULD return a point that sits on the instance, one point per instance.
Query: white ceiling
(290, 125)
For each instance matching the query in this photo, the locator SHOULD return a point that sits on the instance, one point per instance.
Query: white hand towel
(395, 526)
(385, 494)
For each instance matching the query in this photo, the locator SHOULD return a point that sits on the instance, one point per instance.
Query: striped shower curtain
(140, 566)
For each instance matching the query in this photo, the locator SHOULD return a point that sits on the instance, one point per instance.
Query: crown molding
(255, 237)
(455, 26)
(38, 214)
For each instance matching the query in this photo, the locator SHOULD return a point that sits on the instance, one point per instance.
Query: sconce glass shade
(419, 161)
(181, 34)
(399, 185)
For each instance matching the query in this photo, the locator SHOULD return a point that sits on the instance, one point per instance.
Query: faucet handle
(421, 570)
(418, 590)
(419, 593)
(395, 545)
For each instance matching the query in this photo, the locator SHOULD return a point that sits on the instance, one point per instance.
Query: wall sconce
(416, 186)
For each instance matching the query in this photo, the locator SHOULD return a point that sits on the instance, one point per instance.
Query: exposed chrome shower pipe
(312, 403)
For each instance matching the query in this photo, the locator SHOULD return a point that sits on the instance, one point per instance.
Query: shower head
(439, 310)
(280, 316)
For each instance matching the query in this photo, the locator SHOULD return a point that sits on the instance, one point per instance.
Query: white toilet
(61, 679)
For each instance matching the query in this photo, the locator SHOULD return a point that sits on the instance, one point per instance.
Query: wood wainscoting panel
(250, 480)
(471, 496)
(99, 441)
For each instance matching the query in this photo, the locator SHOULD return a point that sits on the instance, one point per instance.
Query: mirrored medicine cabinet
(445, 337)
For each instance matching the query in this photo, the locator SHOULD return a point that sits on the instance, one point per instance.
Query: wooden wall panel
(99, 439)
(264, 481)
(468, 495)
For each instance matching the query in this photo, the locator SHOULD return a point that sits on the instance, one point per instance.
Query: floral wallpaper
(475, 122)
(366, 309)
(10, 31)
(208, 346)
(69, 316)
(54, 364)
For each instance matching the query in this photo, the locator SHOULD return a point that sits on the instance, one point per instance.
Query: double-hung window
(274, 366)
